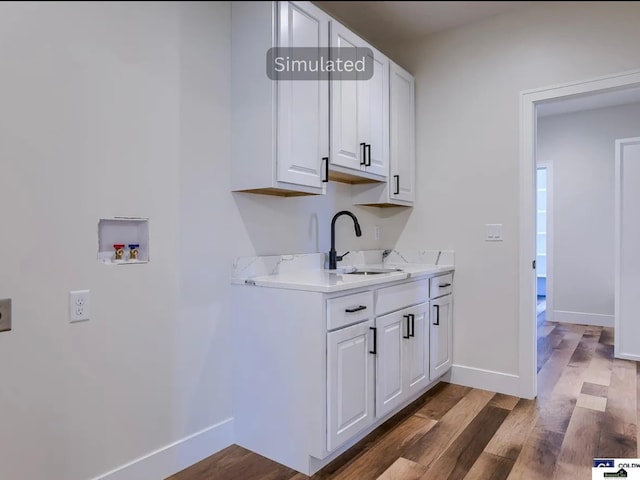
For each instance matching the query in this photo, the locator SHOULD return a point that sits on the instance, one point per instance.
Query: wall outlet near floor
(5, 315)
(79, 305)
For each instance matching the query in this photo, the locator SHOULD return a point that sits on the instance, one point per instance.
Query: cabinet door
(441, 344)
(416, 364)
(346, 96)
(390, 330)
(402, 135)
(350, 382)
(374, 116)
(303, 106)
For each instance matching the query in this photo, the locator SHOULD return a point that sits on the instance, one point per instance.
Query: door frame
(529, 100)
(618, 327)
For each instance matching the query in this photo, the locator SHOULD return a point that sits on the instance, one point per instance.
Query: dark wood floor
(587, 407)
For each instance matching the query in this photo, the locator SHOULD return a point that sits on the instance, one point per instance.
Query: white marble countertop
(329, 281)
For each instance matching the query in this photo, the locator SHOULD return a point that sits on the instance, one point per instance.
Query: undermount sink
(373, 271)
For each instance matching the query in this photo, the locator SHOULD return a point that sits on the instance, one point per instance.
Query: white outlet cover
(79, 305)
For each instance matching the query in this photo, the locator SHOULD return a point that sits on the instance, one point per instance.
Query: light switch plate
(493, 232)
(5, 315)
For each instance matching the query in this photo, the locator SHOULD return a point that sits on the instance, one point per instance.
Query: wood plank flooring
(587, 407)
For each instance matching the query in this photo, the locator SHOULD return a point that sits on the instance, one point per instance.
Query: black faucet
(334, 258)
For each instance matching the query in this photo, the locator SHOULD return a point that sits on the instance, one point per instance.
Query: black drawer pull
(413, 325)
(397, 190)
(355, 309)
(437, 322)
(368, 150)
(375, 341)
(363, 159)
(326, 169)
(408, 335)
(443, 285)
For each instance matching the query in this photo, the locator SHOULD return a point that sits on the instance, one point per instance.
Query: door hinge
(533, 264)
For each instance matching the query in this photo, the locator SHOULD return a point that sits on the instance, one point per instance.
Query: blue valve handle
(134, 245)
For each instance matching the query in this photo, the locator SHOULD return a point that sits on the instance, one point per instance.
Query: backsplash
(249, 267)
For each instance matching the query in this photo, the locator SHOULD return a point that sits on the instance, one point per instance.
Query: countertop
(329, 281)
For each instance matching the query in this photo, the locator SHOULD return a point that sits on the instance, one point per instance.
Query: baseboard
(177, 456)
(485, 379)
(581, 318)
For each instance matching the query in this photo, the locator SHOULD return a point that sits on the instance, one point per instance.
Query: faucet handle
(340, 257)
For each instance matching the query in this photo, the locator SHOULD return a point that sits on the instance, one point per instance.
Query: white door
(375, 117)
(416, 352)
(303, 106)
(402, 135)
(347, 145)
(440, 341)
(350, 382)
(390, 330)
(627, 249)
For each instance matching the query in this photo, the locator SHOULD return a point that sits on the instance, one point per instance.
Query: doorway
(598, 90)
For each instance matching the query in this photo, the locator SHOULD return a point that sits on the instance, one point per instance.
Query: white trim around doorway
(528, 101)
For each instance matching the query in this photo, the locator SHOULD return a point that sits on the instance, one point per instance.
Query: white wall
(123, 109)
(580, 146)
(467, 93)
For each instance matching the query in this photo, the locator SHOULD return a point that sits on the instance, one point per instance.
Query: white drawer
(441, 285)
(401, 296)
(350, 309)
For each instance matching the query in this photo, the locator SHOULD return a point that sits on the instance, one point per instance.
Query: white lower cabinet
(314, 372)
(350, 382)
(402, 360)
(441, 344)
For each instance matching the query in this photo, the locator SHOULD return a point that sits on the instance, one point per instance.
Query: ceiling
(379, 22)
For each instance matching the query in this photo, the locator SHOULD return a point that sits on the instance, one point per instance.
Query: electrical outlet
(376, 232)
(5, 315)
(79, 305)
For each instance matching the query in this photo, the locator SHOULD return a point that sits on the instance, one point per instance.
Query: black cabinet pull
(326, 169)
(363, 159)
(375, 341)
(397, 177)
(443, 285)
(368, 156)
(408, 335)
(355, 309)
(413, 325)
(437, 322)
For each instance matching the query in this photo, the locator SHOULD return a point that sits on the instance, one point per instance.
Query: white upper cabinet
(303, 105)
(400, 186)
(280, 128)
(359, 117)
(402, 126)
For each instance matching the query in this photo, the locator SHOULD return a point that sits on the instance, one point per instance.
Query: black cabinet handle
(408, 335)
(437, 322)
(413, 325)
(443, 285)
(326, 169)
(368, 156)
(375, 341)
(355, 309)
(397, 177)
(363, 159)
